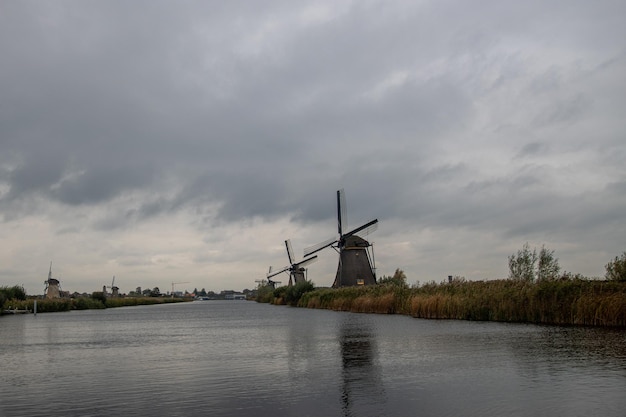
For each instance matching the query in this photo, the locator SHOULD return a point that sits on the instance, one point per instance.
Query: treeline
(78, 303)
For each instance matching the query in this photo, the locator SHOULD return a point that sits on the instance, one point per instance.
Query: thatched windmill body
(53, 286)
(296, 270)
(356, 256)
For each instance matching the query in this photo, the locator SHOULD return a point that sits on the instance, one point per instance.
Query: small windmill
(115, 291)
(297, 272)
(270, 281)
(356, 264)
(53, 286)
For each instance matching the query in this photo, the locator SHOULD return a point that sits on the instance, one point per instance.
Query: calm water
(237, 358)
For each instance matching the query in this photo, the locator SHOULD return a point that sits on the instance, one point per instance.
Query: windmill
(53, 286)
(115, 291)
(297, 272)
(270, 281)
(356, 266)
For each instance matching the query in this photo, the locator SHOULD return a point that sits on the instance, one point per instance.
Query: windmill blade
(369, 226)
(270, 270)
(289, 251)
(273, 274)
(342, 216)
(316, 248)
(368, 230)
(307, 261)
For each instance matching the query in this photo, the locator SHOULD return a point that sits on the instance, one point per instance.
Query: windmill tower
(356, 265)
(297, 272)
(53, 286)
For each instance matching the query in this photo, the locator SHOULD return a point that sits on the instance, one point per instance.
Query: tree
(398, 278)
(155, 292)
(526, 265)
(100, 296)
(616, 269)
(293, 293)
(522, 265)
(15, 292)
(548, 266)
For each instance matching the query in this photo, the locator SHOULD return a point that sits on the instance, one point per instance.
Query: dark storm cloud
(503, 118)
(109, 104)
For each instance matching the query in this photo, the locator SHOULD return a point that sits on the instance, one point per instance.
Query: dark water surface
(238, 358)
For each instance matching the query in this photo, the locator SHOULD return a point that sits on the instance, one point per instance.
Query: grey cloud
(430, 115)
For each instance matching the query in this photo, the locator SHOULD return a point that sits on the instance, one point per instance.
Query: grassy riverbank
(85, 303)
(562, 302)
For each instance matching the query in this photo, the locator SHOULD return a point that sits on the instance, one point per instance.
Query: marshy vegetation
(9, 300)
(15, 292)
(535, 292)
(565, 302)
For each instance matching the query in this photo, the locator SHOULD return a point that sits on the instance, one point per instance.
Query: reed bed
(85, 303)
(560, 302)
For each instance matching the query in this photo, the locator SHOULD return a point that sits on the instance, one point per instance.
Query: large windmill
(297, 272)
(356, 265)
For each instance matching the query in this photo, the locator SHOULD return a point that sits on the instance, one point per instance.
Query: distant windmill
(115, 291)
(53, 286)
(270, 281)
(356, 265)
(297, 272)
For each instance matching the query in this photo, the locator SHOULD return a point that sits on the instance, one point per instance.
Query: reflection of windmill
(355, 266)
(297, 272)
(53, 286)
(362, 389)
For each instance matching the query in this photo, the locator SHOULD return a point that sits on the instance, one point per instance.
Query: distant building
(232, 295)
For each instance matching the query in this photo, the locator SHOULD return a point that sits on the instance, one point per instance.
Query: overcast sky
(184, 141)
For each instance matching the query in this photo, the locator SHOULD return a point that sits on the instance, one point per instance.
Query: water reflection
(251, 360)
(362, 387)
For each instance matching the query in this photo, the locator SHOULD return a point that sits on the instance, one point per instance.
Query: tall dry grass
(562, 302)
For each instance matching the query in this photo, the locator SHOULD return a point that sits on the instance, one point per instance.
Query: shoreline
(575, 302)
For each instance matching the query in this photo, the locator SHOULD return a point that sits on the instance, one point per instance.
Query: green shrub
(15, 292)
(100, 296)
(86, 303)
(293, 293)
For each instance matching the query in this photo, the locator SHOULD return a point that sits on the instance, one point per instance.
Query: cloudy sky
(184, 141)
